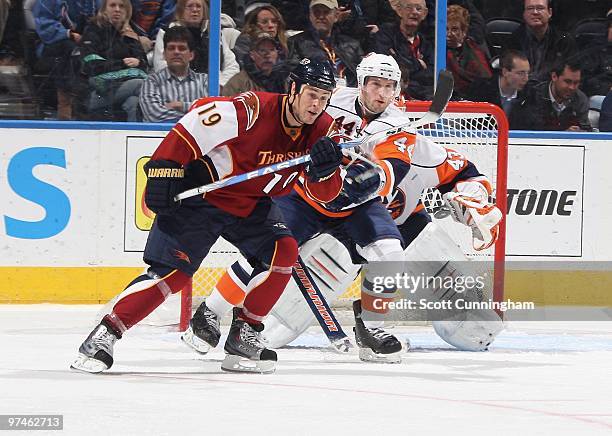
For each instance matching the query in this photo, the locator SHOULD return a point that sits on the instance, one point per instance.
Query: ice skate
(203, 332)
(375, 345)
(342, 345)
(96, 352)
(245, 351)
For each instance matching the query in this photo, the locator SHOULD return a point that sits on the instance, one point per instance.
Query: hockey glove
(325, 158)
(164, 180)
(361, 183)
(200, 172)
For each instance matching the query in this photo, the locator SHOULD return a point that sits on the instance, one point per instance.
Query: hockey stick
(443, 93)
(319, 307)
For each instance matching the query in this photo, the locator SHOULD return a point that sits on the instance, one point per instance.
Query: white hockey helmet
(379, 65)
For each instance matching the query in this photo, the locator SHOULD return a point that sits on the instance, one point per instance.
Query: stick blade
(444, 91)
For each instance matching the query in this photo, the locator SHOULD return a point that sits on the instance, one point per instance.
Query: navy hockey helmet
(316, 73)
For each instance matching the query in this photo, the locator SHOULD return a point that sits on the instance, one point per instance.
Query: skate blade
(367, 355)
(88, 364)
(233, 363)
(342, 346)
(195, 343)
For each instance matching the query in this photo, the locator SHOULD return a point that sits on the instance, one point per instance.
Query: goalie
(466, 197)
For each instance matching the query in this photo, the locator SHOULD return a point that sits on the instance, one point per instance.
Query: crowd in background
(141, 60)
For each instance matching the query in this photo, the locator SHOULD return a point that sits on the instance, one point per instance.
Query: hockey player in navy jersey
(218, 138)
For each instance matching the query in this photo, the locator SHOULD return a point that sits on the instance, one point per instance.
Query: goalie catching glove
(469, 204)
(164, 180)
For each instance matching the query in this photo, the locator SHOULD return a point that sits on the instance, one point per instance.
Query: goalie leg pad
(329, 263)
(470, 330)
(475, 333)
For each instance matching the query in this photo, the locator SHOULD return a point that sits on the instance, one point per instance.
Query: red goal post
(480, 130)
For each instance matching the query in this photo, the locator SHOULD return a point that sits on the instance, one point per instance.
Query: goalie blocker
(291, 316)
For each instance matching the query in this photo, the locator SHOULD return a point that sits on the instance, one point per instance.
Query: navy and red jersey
(240, 134)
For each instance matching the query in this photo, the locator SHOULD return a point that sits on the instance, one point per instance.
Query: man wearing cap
(323, 40)
(262, 70)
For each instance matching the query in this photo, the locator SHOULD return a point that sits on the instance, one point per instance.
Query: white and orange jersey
(431, 166)
(343, 107)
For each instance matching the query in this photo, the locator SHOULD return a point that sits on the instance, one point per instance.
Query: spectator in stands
(569, 12)
(557, 104)
(263, 18)
(373, 12)
(596, 64)
(294, 12)
(167, 95)
(323, 40)
(543, 44)
(262, 70)
(464, 58)
(5, 6)
(506, 88)
(377, 13)
(409, 47)
(235, 9)
(148, 17)
(477, 28)
(361, 19)
(193, 14)
(605, 117)
(404, 87)
(59, 25)
(496, 9)
(113, 59)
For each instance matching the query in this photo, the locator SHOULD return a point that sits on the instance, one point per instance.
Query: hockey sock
(267, 287)
(229, 291)
(375, 303)
(143, 296)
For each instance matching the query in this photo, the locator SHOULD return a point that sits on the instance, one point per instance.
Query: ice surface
(538, 378)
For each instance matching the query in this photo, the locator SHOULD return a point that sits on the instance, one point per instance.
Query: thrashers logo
(251, 105)
(181, 255)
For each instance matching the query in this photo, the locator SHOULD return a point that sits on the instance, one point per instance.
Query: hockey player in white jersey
(358, 210)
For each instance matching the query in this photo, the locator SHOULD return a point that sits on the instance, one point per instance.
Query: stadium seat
(498, 33)
(590, 30)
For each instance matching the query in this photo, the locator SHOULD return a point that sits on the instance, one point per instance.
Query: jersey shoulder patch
(250, 102)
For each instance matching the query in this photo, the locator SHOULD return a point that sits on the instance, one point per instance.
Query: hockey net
(478, 130)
